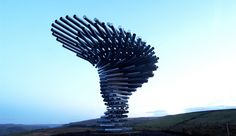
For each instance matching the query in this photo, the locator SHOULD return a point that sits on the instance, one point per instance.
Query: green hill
(205, 123)
(212, 123)
(7, 129)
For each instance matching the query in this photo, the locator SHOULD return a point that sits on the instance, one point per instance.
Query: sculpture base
(116, 130)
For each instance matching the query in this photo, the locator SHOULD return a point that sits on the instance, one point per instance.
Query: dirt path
(138, 133)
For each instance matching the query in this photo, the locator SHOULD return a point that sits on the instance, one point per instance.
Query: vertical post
(227, 128)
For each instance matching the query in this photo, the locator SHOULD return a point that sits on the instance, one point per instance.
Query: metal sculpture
(124, 62)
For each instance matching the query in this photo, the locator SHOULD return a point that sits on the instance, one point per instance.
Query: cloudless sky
(41, 82)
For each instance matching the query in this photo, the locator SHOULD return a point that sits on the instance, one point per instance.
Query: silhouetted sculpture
(124, 62)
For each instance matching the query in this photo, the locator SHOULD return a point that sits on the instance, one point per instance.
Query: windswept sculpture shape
(124, 62)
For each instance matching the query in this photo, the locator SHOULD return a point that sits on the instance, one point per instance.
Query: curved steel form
(124, 61)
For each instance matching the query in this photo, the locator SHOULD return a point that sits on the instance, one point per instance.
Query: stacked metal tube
(124, 61)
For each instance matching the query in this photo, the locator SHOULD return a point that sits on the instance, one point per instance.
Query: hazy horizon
(43, 83)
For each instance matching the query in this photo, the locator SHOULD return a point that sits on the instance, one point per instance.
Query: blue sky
(41, 82)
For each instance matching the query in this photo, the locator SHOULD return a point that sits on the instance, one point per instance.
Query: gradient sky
(41, 82)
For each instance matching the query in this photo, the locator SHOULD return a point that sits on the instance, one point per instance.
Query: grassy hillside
(206, 123)
(7, 129)
(213, 123)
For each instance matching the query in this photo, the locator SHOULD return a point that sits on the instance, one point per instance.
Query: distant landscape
(8, 129)
(203, 123)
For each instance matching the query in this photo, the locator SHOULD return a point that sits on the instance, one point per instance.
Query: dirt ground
(135, 133)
